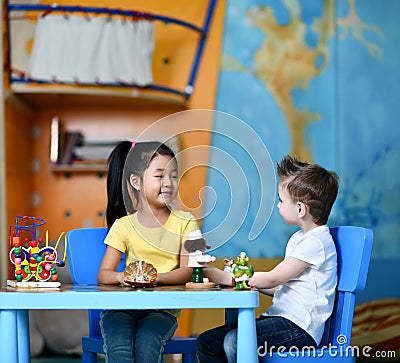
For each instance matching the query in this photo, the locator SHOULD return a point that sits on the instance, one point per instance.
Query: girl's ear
(134, 180)
(302, 209)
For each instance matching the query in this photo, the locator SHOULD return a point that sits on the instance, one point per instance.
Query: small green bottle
(197, 275)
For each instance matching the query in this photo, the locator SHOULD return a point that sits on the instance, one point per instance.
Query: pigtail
(115, 201)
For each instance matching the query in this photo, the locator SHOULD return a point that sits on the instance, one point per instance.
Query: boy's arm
(269, 292)
(288, 269)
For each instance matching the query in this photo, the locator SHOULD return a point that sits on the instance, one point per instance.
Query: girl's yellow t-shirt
(160, 246)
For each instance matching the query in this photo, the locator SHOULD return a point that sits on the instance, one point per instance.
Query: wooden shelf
(80, 96)
(79, 168)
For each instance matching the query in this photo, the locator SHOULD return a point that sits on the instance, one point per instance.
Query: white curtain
(89, 50)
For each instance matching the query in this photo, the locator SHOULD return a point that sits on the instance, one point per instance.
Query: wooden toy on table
(228, 264)
(35, 260)
(196, 246)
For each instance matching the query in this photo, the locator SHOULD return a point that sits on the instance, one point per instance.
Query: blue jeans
(220, 344)
(136, 335)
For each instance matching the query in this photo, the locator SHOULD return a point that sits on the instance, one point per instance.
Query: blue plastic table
(16, 302)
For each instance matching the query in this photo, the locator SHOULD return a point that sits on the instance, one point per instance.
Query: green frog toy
(242, 271)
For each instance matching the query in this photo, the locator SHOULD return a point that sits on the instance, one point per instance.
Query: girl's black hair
(124, 161)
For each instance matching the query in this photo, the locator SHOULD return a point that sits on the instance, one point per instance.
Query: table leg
(23, 336)
(8, 336)
(246, 339)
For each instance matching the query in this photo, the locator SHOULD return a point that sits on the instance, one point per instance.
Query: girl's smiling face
(160, 181)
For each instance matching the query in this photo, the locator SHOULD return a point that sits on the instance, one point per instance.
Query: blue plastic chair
(353, 246)
(85, 250)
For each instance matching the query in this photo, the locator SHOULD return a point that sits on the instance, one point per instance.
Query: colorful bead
(32, 243)
(16, 242)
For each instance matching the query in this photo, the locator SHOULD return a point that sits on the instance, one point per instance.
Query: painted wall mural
(318, 79)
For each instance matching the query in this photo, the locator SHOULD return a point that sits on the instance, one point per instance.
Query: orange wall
(19, 145)
(79, 200)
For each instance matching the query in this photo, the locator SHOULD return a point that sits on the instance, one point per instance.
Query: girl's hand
(107, 272)
(121, 279)
(218, 276)
(178, 276)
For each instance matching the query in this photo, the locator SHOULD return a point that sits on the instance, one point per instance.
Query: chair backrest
(85, 251)
(354, 247)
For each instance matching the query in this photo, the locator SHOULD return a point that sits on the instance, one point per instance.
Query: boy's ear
(302, 209)
(134, 180)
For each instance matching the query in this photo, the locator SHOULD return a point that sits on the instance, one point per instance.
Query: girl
(144, 176)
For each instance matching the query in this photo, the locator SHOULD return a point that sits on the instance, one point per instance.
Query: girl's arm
(178, 276)
(288, 269)
(218, 276)
(107, 272)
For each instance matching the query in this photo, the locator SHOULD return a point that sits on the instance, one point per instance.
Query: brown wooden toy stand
(200, 285)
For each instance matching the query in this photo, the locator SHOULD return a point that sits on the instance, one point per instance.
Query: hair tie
(133, 144)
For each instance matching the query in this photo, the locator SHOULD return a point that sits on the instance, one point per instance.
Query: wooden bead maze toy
(34, 260)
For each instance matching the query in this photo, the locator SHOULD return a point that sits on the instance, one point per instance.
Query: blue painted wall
(318, 79)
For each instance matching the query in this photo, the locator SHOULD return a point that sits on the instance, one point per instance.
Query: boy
(303, 284)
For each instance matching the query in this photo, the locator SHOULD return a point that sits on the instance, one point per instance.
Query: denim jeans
(219, 344)
(136, 335)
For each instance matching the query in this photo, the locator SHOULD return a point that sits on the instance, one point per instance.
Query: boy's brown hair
(310, 184)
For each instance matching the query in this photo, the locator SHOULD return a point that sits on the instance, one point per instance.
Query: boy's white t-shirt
(307, 300)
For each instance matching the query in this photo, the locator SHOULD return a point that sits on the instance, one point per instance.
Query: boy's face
(287, 208)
